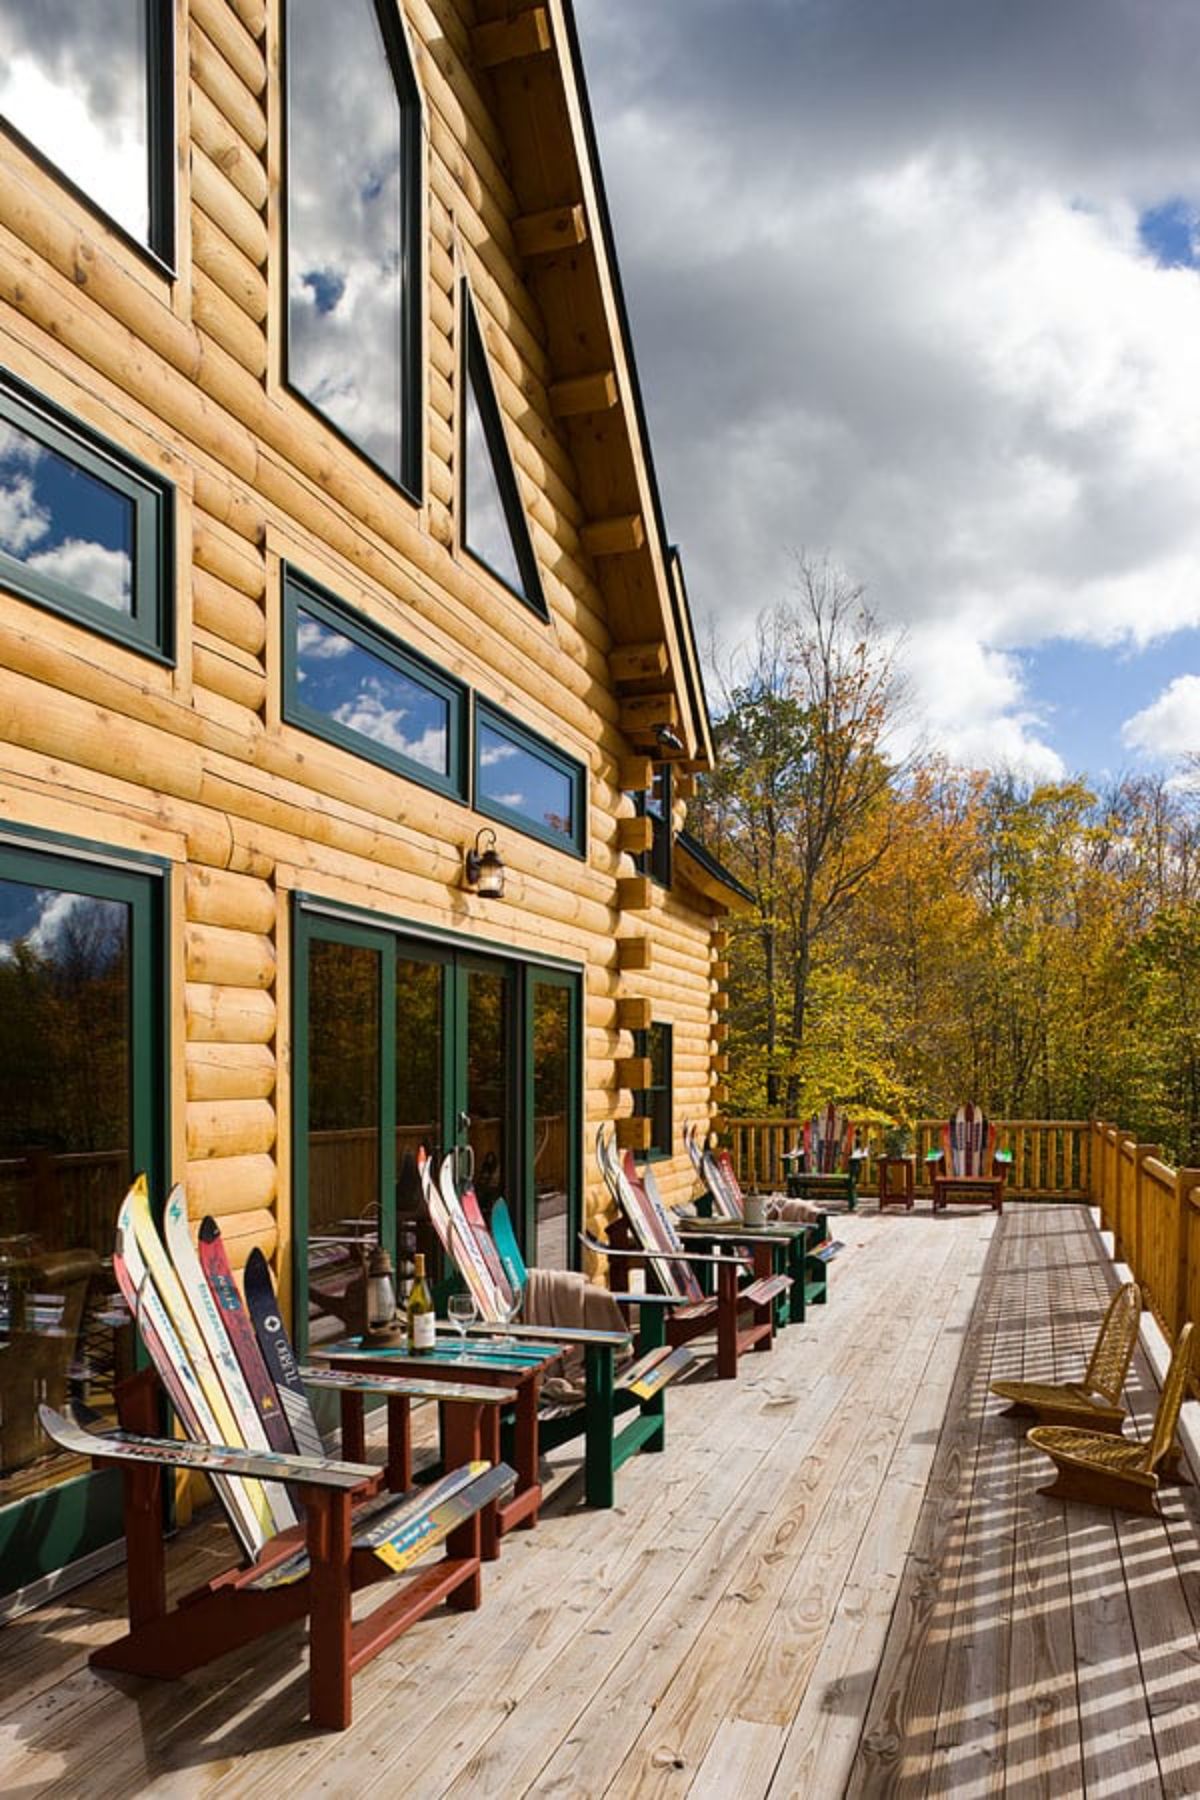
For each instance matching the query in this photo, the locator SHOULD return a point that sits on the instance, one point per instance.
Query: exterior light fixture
(483, 870)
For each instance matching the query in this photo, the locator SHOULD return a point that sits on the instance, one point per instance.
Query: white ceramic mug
(756, 1209)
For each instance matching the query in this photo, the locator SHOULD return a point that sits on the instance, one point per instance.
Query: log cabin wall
(194, 762)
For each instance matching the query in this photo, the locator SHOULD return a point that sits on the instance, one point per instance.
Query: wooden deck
(838, 1578)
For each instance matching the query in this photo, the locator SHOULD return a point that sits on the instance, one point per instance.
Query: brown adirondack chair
(351, 1532)
(1103, 1470)
(1094, 1403)
(967, 1165)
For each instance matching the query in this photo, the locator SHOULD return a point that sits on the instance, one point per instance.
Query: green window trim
(301, 593)
(476, 378)
(522, 738)
(149, 627)
(657, 1102)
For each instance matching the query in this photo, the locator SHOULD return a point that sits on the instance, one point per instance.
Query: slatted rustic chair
(644, 1233)
(352, 1532)
(1094, 1403)
(968, 1165)
(1103, 1470)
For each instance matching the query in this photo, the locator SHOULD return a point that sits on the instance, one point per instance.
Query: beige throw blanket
(568, 1300)
(792, 1212)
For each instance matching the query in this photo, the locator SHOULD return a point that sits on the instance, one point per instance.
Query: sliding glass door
(407, 1045)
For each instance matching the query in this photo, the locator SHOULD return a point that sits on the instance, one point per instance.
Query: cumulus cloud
(105, 575)
(896, 295)
(23, 520)
(1170, 726)
(367, 713)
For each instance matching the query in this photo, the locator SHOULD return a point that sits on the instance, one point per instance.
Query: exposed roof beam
(548, 233)
(507, 39)
(614, 537)
(583, 394)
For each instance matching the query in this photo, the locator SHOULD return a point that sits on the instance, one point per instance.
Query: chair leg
(727, 1322)
(329, 1601)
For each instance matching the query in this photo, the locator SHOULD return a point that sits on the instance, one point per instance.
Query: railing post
(1140, 1223)
(1094, 1173)
(1185, 1181)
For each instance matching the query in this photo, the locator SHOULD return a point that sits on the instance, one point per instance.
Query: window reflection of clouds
(515, 778)
(486, 527)
(51, 924)
(73, 81)
(365, 694)
(60, 521)
(345, 306)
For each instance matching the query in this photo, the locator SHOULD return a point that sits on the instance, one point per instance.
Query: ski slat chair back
(967, 1167)
(490, 1262)
(1107, 1470)
(643, 1233)
(726, 1196)
(1094, 1402)
(825, 1165)
(828, 1141)
(311, 1530)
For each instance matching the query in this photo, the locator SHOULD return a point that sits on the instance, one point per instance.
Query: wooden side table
(897, 1181)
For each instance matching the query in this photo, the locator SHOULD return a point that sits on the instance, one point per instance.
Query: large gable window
(361, 689)
(494, 527)
(89, 88)
(83, 529)
(353, 227)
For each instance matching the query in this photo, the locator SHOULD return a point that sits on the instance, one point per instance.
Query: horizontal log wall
(194, 763)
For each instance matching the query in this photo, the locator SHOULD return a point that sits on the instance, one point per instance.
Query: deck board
(838, 1578)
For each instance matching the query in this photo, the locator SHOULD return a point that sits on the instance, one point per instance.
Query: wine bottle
(422, 1330)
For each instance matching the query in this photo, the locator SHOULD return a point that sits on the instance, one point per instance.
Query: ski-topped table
(516, 1367)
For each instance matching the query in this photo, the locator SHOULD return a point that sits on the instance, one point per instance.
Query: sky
(918, 287)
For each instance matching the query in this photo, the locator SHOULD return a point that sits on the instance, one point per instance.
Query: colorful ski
(244, 1502)
(649, 1204)
(403, 1526)
(277, 1353)
(219, 1275)
(199, 1295)
(473, 1213)
(459, 1243)
(222, 1459)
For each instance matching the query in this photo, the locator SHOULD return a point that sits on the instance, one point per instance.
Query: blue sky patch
(1171, 233)
(326, 287)
(1085, 693)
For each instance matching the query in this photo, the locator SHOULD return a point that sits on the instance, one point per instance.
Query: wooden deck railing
(1051, 1157)
(1153, 1212)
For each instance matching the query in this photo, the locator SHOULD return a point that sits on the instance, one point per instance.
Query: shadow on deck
(838, 1578)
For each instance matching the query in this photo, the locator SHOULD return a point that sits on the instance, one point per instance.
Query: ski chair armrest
(401, 1387)
(209, 1459)
(934, 1156)
(666, 1256)
(792, 1155)
(1002, 1156)
(580, 1336)
(735, 1232)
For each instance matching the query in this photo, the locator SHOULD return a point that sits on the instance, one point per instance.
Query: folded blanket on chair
(791, 1212)
(567, 1299)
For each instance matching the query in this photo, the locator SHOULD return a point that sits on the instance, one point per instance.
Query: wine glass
(512, 1309)
(461, 1310)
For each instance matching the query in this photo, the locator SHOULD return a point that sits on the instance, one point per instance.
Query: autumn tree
(798, 800)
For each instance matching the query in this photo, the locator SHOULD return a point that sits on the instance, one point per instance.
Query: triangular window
(494, 526)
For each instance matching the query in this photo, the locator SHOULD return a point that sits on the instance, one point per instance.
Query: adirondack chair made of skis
(967, 1166)
(794, 1245)
(825, 1164)
(311, 1530)
(1103, 1470)
(489, 1261)
(644, 1235)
